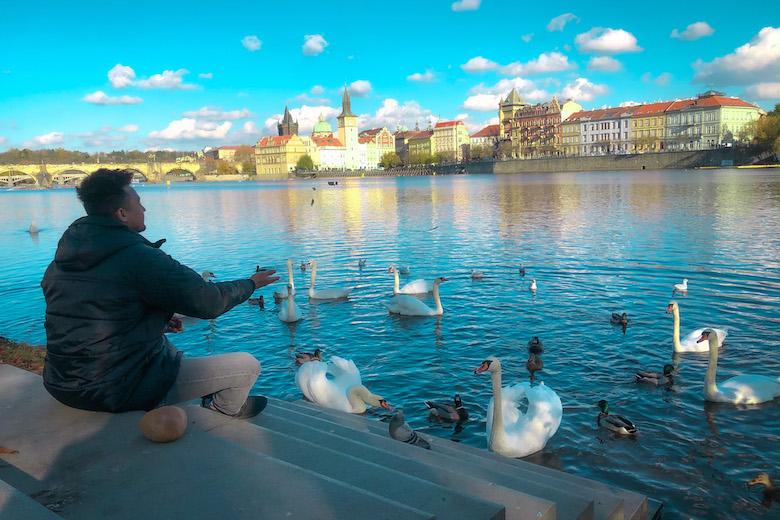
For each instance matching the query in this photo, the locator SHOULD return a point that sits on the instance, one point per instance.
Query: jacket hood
(92, 239)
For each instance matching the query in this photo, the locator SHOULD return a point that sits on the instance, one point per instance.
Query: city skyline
(185, 79)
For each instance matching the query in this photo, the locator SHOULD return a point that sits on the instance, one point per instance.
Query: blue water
(595, 243)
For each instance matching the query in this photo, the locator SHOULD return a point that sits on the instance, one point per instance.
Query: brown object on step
(165, 424)
(8, 450)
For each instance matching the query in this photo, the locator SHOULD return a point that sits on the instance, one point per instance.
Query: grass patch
(22, 355)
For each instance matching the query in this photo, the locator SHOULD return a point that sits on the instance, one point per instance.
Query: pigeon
(401, 431)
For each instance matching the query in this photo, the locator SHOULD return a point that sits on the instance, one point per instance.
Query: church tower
(348, 132)
(287, 126)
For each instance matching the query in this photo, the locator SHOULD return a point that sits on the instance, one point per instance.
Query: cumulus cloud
(483, 102)
(559, 22)
(466, 5)
(546, 62)
(306, 115)
(424, 77)
(188, 129)
(122, 76)
(130, 129)
(314, 44)
(661, 80)
(215, 114)
(604, 40)
(694, 31)
(206, 75)
(764, 91)
(317, 90)
(527, 37)
(479, 64)
(46, 140)
(360, 88)
(604, 64)
(629, 104)
(486, 98)
(759, 58)
(581, 89)
(251, 43)
(3, 139)
(101, 98)
(392, 114)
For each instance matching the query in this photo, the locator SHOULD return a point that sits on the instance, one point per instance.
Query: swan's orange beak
(383, 404)
(444, 278)
(704, 336)
(482, 367)
(669, 308)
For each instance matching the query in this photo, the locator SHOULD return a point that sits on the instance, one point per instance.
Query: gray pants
(229, 377)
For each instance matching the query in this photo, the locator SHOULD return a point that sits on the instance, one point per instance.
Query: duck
(510, 431)
(619, 319)
(614, 423)
(305, 263)
(448, 412)
(681, 287)
(534, 364)
(477, 275)
(521, 271)
(337, 385)
(690, 343)
(418, 286)
(33, 229)
(535, 345)
(338, 293)
(532, 287)
(259, 301)
(289, 290)
(406, 305)
(207, 276)
(304, 357)
(742, 389)
(289, 312)
(361, 263)
(770, 492)
(401, 431)
(656, 378)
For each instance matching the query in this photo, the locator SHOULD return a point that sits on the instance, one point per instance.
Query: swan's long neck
(676, 333)
(710, 388)
(290, 306)
(359, 396)
(290, 275)
(397, 285)
(498, 417)
(313, 275)
(437, 299)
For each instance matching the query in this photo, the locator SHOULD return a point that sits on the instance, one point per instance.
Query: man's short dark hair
(103, 192)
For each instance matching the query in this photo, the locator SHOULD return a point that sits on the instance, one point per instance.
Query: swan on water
(406, 305)
(691, 341)
(336, 384)
(681, 287)
(325, 294)
(289, 311)
(290, 288)
(418, 286)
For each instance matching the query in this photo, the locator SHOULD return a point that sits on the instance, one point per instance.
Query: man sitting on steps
(110, 296)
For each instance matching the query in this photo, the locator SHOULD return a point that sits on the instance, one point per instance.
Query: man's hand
(263, 278)
(175, 325)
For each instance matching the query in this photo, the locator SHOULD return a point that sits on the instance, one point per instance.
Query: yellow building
(348, 133)
(450, 140)
(570, 136)
(377, 142)
(277, 156)
(648, 127)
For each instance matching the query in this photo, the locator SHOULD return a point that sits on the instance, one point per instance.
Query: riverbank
(22, 355)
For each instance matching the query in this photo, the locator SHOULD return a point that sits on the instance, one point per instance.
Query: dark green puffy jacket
(109, 295)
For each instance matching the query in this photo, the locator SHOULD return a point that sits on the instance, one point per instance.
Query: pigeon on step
(401, 431)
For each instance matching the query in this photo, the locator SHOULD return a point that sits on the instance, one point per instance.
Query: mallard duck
(657, 378)
(303, 357)
(535, 346)
(619, 319)
(614, 423)
(534, 364)
(521, 271)
(259, 301)
(448, 412)
(304, 265)
(361, 263)
(770, 492)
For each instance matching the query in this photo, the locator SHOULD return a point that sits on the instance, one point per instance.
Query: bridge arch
(16, 177)
(69, 177)
(179, 175)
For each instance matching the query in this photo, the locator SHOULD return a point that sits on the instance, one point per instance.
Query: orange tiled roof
(371, 132)
(422, 134)
(326, 141)
(720, 101)
(235, 147)
(652, 108)
(273, 140)
(444, 124)
(488, 131)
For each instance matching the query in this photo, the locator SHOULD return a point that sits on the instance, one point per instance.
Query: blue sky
(184, 75)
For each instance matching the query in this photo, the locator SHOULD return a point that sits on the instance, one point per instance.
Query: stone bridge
(71, 174)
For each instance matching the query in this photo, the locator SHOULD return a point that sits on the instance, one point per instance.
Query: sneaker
(253, 405)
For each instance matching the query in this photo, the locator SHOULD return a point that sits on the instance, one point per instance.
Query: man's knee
(248, 361)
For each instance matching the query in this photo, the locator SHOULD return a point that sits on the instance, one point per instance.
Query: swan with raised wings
(336, 293)
(336, 384)
(289, 311)
(691, 341)
(744, 389)
(511, 432)
(418, 286)
(406, 305)
(290, 289)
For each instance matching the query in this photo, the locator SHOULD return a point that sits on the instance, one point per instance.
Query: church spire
(346, 104)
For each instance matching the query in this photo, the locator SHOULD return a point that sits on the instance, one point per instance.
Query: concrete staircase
(295, 460)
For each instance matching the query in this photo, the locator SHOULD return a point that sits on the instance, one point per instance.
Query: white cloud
(46, 139)
(314, 44)
(392, 114)
(360, 88)
(764, 91)
(694, 31)
(3, 139)
(486, 98)
(306, 98)
(661, 80)
(214, 114)
(188, 129)
(629, 104)
(121, 76)
(604, 64)
(479, 64)
(101, 98)
(527, 37)
(317, 90)
(759, 58)
(424, 77)
(251, 43)
(466, 5)
(504, 86)
(546, 62)
(130, 129)
(559, 22)
(475, 126)
(604, 40)
(581, 89)
(306, 116)
(102, 138)
(483, 102)
(206, 75)
(169, 79)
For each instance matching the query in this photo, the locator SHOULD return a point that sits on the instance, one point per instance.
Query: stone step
(323, 459)
(635, 506)
(15, 505)
(569, 504)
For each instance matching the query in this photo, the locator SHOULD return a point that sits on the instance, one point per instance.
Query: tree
(390, 160)
(305, 163)
(768, 130)
(443, 157)
(225, 168)
(249, 167)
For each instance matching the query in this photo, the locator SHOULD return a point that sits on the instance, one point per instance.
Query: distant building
(327, 152)
(402, 142)
(287, 126)
(534, 130)
(376, 142)
(488, 136)
(322, 128)
(648, 127)
(277, 156)
(506, 113)
(228, 153)
(604, 131)
(348, 132)
(450, 139)
(420, 146)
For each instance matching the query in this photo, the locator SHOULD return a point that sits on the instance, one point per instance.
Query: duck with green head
(656, 378)
(614, 423)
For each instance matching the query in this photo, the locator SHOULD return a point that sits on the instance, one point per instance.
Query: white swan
(33, 229)
(290, 312)
(290, 289)
(406, 305)
(336, 384)
(477, 275)
(419, 286)
(681, 287)
(691, 341)
(532, 287)
(511, 432)
(325, 294)
(744, 389)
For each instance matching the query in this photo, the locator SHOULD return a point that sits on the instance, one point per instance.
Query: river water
(596, 243)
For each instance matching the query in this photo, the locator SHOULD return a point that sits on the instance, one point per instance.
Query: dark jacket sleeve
(165, 283)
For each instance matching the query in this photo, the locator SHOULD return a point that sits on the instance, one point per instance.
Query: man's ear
(121, 214)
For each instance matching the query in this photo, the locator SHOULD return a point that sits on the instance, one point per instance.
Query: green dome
(322, 127)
